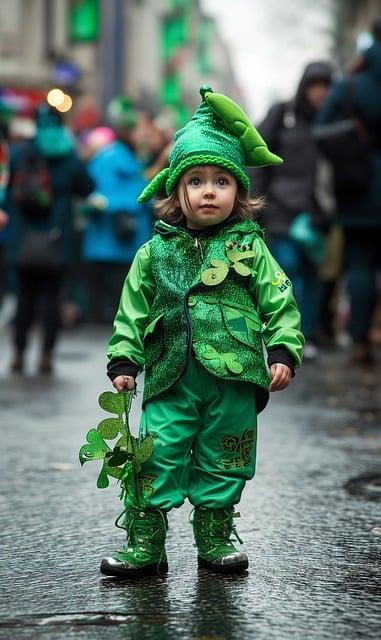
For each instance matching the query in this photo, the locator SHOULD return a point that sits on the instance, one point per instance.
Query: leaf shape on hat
(153, 187)
(236, 120)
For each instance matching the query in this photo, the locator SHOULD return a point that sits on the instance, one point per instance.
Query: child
(201, 300)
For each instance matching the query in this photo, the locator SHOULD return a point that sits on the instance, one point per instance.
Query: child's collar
(167, 226)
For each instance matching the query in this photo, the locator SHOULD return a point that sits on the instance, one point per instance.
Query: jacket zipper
(198, 244)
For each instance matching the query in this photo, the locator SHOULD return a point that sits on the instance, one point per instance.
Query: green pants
(205, 442)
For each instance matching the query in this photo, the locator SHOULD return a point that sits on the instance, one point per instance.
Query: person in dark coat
(4, 177)
(360, 215)
(292, 188)
(46, 175)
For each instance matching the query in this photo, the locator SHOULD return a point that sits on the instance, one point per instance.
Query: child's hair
(245, 206)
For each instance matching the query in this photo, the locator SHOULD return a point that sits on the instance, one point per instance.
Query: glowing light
(55, 97)
(65, 105)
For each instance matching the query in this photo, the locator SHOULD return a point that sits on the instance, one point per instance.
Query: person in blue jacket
(117, 226)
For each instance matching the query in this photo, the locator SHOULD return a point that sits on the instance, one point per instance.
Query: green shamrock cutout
(95, 450)
(124, 461)
(110, 427)
(114, 402)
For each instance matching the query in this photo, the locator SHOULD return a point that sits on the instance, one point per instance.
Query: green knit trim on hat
(204, 159)
(154, 186)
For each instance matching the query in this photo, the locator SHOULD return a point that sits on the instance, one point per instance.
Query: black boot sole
(239, 567)
(150, 570)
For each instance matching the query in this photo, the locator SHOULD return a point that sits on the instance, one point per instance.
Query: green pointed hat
(219, 133)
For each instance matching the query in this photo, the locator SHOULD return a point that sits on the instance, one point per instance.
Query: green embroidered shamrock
(125, 459)
(221, 361)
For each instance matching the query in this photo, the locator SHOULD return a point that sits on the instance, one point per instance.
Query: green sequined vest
(203, 303)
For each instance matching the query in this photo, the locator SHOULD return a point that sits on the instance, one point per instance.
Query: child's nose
(209, 190)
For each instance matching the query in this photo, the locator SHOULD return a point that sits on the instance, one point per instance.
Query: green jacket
(221, 295)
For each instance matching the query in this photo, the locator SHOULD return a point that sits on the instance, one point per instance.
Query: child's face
(206, 195)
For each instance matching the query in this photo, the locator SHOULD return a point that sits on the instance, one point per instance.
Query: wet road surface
(311, 519)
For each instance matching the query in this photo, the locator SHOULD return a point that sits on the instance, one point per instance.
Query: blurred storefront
(157, 51)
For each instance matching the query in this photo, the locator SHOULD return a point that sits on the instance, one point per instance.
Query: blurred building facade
(354, 17)
(157, 51)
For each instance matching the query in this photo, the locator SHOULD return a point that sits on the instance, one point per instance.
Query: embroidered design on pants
(240, 447)
(145, 483)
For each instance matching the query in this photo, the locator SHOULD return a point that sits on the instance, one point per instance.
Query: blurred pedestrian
(4, 178)
(296, 193)
(357, 97)
(116, 224)
(92, 141)
(206, 377)
(45, 176)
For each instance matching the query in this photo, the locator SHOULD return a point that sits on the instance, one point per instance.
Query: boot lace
(214, 530)
(145, 534)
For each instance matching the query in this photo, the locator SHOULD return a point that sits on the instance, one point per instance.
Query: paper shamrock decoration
(125, 459)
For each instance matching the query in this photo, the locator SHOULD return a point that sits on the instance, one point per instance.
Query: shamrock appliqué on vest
(219, 268)
(220, 362)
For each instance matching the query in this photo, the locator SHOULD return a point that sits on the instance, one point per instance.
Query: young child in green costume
(203, 302)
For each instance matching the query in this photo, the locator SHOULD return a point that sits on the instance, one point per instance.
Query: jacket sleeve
(132, 316)
(276, 304)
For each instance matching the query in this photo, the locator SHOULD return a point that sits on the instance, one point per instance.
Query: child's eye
(195, 181)
(222, 181)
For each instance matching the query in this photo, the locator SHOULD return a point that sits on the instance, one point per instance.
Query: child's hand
(280, 375)
(124, 382)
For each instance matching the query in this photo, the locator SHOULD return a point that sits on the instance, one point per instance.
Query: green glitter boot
(212, 530)
(144, 553)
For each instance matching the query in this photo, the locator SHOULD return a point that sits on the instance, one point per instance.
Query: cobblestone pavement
(312, 538)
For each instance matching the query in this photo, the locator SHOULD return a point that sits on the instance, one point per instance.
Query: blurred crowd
(70, 223)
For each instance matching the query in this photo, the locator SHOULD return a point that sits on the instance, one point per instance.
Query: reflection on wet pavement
(310, 520)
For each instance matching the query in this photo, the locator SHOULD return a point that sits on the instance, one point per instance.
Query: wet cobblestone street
(313, 540)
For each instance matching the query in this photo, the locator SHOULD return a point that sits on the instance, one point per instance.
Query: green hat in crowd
(121, 113)
(219, 133)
